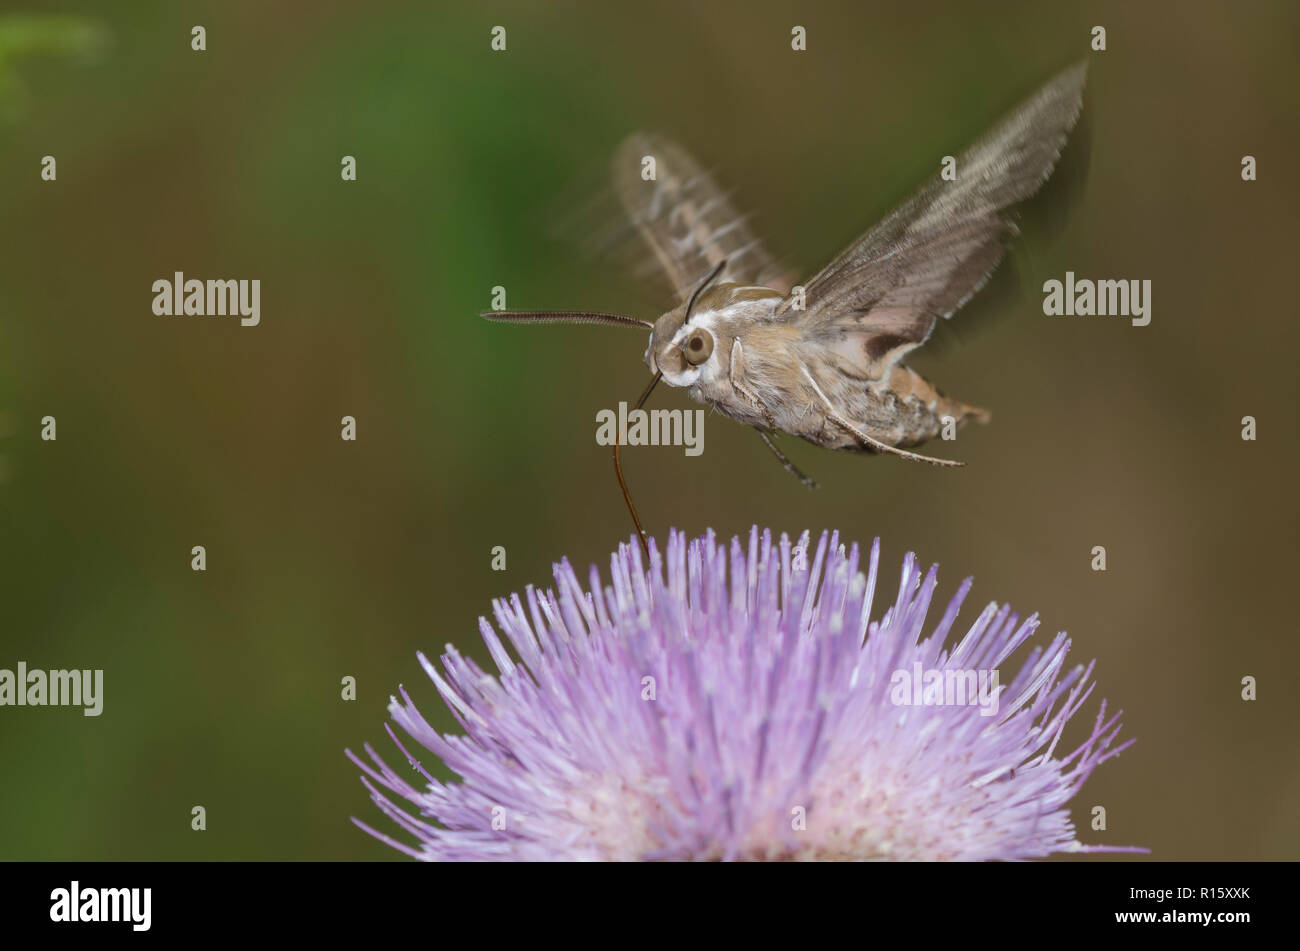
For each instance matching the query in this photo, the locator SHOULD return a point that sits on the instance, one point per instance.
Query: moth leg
(879, 446)
(790, 467)
(734, 373)
(866, 440)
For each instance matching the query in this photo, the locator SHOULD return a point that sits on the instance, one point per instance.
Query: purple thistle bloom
(768, 717)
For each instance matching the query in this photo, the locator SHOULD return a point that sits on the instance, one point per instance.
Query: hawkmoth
(823, 360)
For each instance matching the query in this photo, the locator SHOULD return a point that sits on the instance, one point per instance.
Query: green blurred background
(328, 558)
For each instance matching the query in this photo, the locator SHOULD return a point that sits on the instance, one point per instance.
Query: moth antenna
(618, 471)
(563, 317)
(702, 286)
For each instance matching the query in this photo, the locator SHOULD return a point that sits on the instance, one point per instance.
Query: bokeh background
(328, 558)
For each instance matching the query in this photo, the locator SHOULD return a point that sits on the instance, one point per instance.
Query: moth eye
(698, 347)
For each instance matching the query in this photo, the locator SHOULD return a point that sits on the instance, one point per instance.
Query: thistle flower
(679, 714)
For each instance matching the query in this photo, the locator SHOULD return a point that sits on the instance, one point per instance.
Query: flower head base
(756, 713)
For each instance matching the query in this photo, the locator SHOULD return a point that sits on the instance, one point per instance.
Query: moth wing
(686, 220)
(882, 296)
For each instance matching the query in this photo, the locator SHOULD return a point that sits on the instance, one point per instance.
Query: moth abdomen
(923, 410)
(903, 411)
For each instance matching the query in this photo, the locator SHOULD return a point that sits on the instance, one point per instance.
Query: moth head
(684, 350)
(660, 354)
(681, 343)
